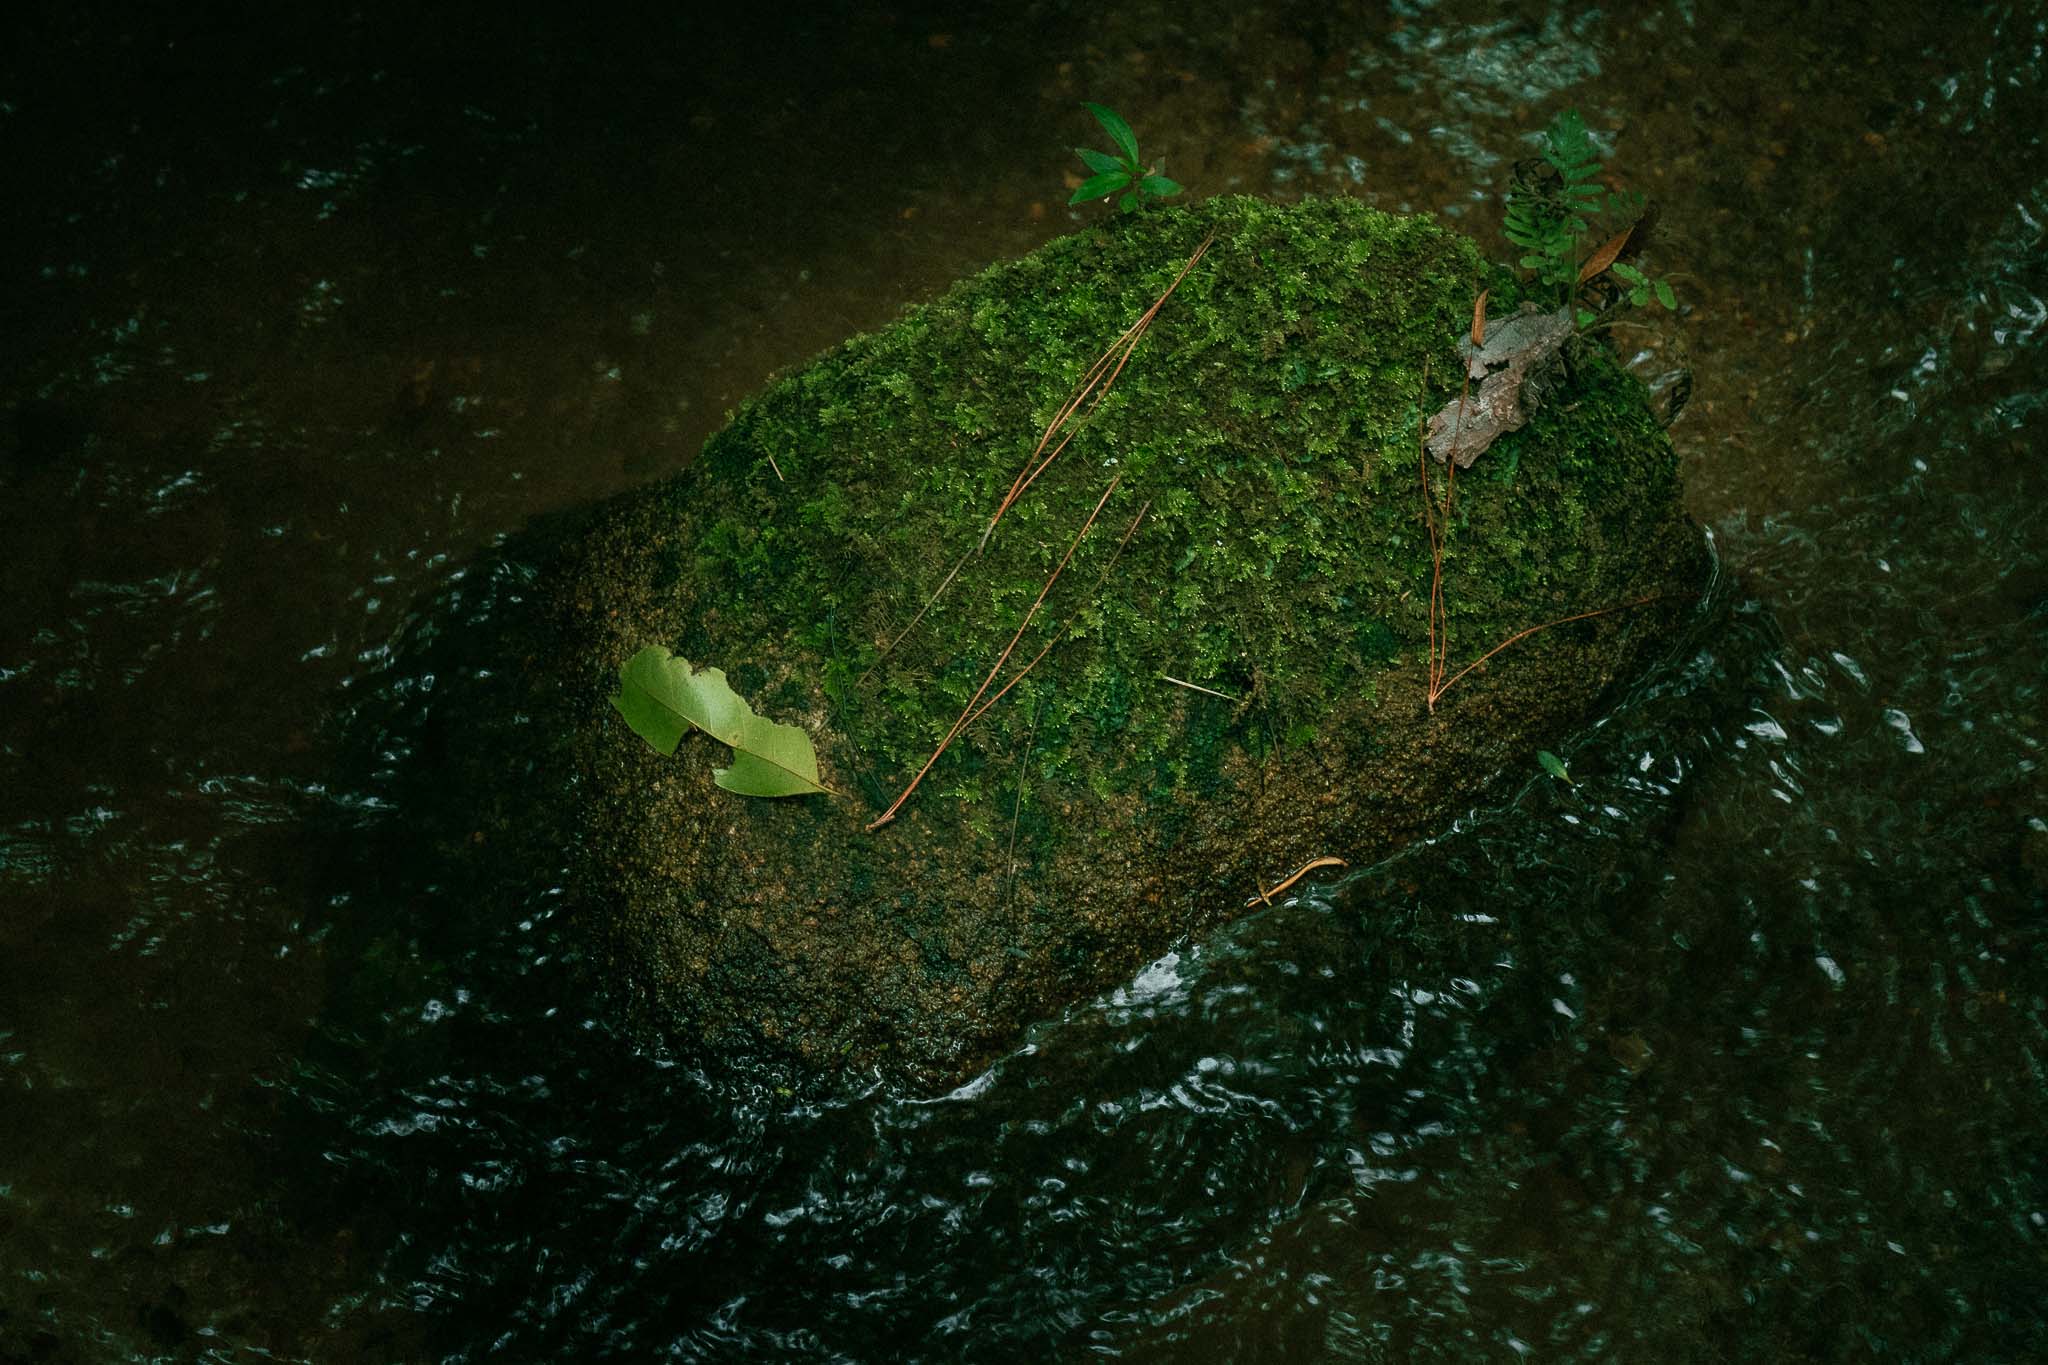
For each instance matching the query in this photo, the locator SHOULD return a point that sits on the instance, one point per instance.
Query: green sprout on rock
(1121, 170)
(1556, 210)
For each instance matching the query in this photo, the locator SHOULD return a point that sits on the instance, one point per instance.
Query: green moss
(1268, 418)
(1267, 425)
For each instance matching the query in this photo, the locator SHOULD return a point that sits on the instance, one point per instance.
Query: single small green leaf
(1129, 201)
(1159, 187)
(1102, 163)
(1554, 765)
(662, 698)
(1586, 318)
(1666, 297)
(1119, 132)
(1628, 272)
(1097, 186)
(1639, 297)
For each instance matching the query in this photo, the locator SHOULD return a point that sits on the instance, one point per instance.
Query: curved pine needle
(1266, 897)
(1196, 687)
(1094, 381)
(1065, 625)
(1521, 635)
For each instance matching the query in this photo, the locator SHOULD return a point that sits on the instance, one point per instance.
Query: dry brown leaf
(1479, 319)
(1604, 257)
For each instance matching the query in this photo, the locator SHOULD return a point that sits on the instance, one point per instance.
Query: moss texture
(1267, 425)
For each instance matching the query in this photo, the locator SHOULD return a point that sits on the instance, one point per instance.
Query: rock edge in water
(1267, 428)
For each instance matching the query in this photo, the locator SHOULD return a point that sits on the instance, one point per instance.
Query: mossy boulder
(1267, 428)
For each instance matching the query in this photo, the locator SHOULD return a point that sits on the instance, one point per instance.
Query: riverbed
(1730, 1048)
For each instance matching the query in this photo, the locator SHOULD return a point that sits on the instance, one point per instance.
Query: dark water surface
(1733, 1050)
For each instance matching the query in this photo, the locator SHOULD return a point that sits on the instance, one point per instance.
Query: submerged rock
(1235, 658)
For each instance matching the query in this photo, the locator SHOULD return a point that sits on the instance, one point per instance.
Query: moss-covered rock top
(1264, 541)
(1270, 407)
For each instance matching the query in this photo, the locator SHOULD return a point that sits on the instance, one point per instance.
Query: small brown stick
(1439, 535)
(1439, 614)
(778, 470)
(1197, 687)
(1266, 897)
(1120, 351)
(1034, 466)
(1127, 344)
(1015, 678)
(1100, 579)
(967, 712)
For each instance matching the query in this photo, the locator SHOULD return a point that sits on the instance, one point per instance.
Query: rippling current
(1731, 1049)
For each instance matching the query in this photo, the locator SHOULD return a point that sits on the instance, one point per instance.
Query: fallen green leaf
(1554, 765)
(662, 698)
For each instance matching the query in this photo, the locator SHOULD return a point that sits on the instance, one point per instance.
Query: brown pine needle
(1197, 687)
(1521, 635)
(1440, 532)
(1111, 362)
(1065, 625)
(1099, 379)
(1266, 897)
(1439, 523)
(1017, 808)
(1015, 678)
(968, 712)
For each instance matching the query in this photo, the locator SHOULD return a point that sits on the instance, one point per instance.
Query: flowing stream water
(1733, 1049)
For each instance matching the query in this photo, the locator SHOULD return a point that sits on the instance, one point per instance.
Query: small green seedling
(1121, 170)
(1642, 287)
(1555, 222)
(1554, 765)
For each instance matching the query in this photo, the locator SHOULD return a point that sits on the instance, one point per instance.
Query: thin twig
(1033, 467)
(1525, 634)
(1266, 897)
(1197, 687)
(1620, 322)
(1067, 624)
(967, 712)
(1127, 343)
(778, 470)
(1119, 352)
(1439, 615)
(1015, 678)
(1440, 680)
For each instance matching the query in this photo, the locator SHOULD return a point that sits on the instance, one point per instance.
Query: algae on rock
(1269, 424)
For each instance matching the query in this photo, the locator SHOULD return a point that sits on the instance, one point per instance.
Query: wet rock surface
(1262, 538)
